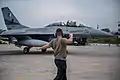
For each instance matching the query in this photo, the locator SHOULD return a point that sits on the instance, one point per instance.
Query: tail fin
(10, 20)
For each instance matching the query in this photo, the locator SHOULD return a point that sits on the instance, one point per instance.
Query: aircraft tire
(26, 50)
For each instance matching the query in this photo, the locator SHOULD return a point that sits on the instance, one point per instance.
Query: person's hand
(71, 35)
(70, 39)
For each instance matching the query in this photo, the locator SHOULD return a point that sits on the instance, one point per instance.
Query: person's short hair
(59, 32)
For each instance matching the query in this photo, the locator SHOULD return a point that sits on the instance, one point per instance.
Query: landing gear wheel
(43, 50)
(26, 50)
(78, 43)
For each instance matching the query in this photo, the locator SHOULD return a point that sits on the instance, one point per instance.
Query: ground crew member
(59, 45)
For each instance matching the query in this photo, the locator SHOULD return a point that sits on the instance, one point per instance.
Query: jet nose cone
(108, 34)
(99, 33)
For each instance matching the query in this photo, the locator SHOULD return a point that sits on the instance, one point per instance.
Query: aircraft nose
(99, 33)
(108, 34)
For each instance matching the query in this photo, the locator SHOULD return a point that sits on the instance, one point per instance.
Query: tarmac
(91, 62)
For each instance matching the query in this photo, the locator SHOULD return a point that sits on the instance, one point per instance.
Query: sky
(38, 13)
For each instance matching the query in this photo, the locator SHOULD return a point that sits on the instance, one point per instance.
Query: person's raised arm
(70, 40)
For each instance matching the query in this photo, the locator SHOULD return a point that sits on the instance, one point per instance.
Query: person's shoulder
(53, 40)
(64, 40)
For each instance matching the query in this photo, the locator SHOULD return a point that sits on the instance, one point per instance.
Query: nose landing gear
(26, 50)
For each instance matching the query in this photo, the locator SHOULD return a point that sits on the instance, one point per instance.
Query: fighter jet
(21, 35)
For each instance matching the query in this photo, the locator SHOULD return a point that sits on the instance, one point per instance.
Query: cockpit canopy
(68, 23)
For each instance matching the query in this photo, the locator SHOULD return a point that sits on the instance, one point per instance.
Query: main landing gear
(43, 50)
(82, 41)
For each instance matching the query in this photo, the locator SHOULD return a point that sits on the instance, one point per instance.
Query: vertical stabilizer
(10, 20)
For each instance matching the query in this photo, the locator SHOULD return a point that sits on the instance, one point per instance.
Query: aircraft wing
(27, 32)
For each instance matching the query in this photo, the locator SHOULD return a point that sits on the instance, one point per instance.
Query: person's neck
(59, 37)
